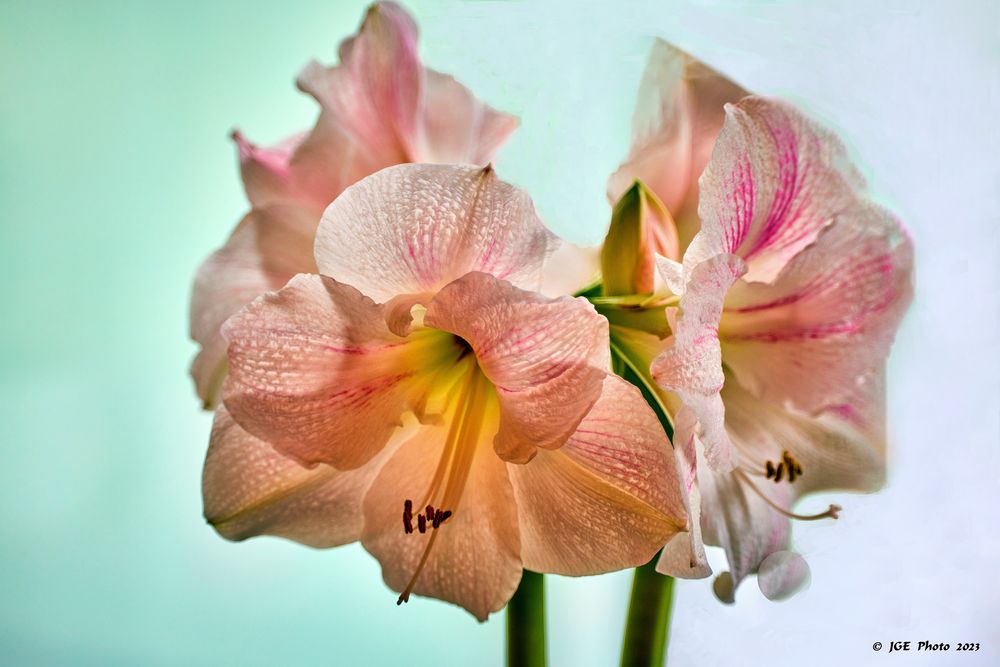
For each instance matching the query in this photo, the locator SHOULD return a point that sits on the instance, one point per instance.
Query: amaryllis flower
(791, 292)
(378, 107)
(419, 397)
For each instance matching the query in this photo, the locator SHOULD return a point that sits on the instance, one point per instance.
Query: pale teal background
(116, 178)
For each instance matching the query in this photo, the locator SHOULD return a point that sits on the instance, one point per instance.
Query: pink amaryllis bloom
(418, 396)
(379, 107)
(790, 295)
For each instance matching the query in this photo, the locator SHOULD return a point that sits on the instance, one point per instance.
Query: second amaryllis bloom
(779, 319)
(418, 396)
(378, 107)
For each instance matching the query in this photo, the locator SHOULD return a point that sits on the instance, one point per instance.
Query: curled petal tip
(245, 147)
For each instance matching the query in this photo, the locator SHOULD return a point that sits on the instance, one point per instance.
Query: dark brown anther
(430, 513)
(445, 515)
(408, 517)
(778, 472)
(421, 523)
(437, 518)
(770, 470)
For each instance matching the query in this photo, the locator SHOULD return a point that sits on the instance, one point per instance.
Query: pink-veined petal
(369, 104)
(315, 371)
(415, 228)
(775, 180)
(782, 575)
(678, 116)
(739, 508)
(474, 561)
(546, 357)
(683, 555)
(265, 171)
(458, 128)
(739, 520)
(843, 448)
(606, 500)
(250, 489)
(691, 365)
(828, 319)
(269, 246)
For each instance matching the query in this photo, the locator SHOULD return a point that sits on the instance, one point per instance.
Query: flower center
(469, 402)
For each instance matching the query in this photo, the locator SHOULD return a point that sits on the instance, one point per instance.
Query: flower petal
(457, 127)
(368, 103)
(570, 268)
(268, 247)
(415, 228)
(782, 575)
(738, 519)
(265, 171)
(775, 180)
(315, 371)
(677, 118)
(474, 561)
(830, 316)
(836, 450)
(738, 508)
(692, 364)
(606, 500)
(683, 555)
(250, 489)
(546, 357)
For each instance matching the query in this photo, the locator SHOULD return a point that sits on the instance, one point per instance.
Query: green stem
(648, 626)
(526, 623)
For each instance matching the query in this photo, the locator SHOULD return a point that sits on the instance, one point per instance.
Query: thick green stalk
(526, 623)
(647, 628)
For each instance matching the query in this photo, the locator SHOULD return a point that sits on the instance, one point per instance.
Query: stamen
(408, 516)
(456, 459)
(832, 512)
(788, 463)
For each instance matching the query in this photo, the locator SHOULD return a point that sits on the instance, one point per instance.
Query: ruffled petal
(269, 246)
(606, 500)
(546, 357)
(775, 180)
(830, 316)
(677, 118)
(369, 105)
(414, 228)
(381, 107)
(683, 555)
(250, 489)
(474, 560)
(265, 171)
(457, 127)
(691, 364)
(315, 371)
(739, 508)
(740, 520)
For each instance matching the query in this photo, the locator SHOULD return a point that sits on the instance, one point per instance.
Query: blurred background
(117, 178)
